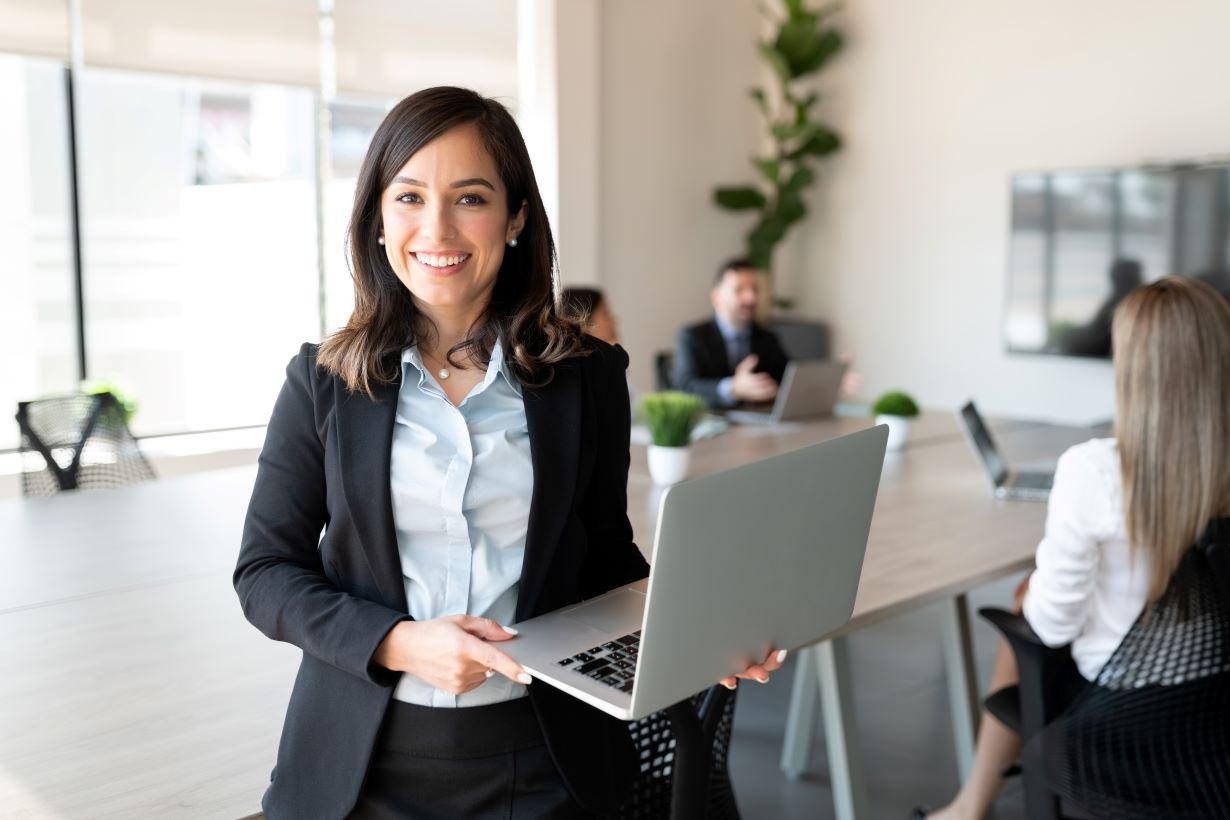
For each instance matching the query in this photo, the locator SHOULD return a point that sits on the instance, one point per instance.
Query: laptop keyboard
(1033, 481)
(612, 663)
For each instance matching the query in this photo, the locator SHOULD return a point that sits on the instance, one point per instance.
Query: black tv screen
(1080, 240)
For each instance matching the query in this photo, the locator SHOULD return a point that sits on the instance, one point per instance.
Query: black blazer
(701, 360)
(325, 465)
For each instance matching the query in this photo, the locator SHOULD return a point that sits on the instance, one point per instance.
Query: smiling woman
(449, 246)
(464, 448)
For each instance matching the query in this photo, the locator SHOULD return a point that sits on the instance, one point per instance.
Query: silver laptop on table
(1024, 485)
(809, 388)
(765, 555)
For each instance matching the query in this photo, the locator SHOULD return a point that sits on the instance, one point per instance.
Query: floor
(903, 715)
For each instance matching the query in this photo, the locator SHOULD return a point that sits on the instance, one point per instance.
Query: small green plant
(895, 403)
(126, 402)
(670, 416)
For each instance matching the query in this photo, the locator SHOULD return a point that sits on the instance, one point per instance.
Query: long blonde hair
(1171, 342)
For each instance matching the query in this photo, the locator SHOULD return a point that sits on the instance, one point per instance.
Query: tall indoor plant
(803, 44)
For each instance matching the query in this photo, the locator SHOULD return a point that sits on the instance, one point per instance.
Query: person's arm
(1061, 588)
(772, 355)
(688, 372)
(613, 558)
(279, 576)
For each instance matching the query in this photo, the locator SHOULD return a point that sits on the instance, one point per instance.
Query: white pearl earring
(380, 240)
(512, 243)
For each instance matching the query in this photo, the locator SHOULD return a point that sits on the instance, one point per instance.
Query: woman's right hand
(453, 653)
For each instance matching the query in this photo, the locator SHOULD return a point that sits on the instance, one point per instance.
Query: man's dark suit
(701, 360)
(325, 464)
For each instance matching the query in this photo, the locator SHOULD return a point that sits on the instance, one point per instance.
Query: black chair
(684, 760)
(663, 361)
(1151, 736)
(77, 442)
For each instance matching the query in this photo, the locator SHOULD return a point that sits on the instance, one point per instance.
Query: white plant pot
(898, 430)
(668, 465)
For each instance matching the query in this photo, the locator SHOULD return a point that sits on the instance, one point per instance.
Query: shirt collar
(730, 332)
(497, 367)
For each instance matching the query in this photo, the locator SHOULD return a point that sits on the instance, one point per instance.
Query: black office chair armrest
(1040, 666)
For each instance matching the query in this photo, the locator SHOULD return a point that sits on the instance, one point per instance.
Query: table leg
(841, 730)
(961, 673)
(801, 717)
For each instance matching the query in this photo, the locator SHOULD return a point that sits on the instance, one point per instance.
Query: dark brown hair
(736, 263)
(523, 306)
(580, 303)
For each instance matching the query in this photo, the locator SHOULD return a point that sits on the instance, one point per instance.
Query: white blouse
(1087, 589)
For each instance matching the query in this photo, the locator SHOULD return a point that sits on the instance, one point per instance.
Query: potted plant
(795, 137)
(895, 409)
(670, 416)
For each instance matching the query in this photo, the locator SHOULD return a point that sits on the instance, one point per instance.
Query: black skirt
(477, 762)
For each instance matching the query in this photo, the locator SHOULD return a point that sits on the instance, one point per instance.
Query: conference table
(132, 686)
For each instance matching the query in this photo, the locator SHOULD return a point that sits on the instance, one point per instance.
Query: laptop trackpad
(620, 613)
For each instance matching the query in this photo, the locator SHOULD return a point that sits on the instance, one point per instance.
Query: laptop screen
(981, 436)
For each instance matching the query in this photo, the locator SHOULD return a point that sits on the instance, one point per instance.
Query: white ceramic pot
(668, 465)
(898, 430)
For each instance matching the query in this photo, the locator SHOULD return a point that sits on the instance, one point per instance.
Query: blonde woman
(1123, 511)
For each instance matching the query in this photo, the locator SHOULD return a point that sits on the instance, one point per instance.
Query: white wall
(939, 101)
(675, 120)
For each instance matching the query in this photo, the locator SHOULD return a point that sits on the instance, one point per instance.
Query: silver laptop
(1024, 485)
(809, 388)
(765, 555)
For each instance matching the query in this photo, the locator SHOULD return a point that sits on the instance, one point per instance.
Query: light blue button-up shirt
(461, 479)
(730, 335)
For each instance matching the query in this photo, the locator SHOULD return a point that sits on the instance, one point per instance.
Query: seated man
(730, 359)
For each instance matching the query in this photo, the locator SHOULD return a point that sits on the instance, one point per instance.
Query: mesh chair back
(77, 442)
(1151, 737)
(652, 792)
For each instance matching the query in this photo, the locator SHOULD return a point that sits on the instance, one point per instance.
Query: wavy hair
(524, 306)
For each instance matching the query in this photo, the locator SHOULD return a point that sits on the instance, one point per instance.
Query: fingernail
(509, 630)
(781, 656)
(761, 680)
(489, 673)
(525, 678)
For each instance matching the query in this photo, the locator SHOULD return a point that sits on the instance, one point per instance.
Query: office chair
(74, 442)
(1151, 736)
(684, 761)
(663, 361)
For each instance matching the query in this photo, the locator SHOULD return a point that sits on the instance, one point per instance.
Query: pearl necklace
(443, 373)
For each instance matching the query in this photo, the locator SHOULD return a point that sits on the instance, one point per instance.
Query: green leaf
(770, 169)
(822, 143)
(819, 52)
(744, 198)
(792, 131)
(794, 7)
(760, 253)
(797, 40)
(800, 179)
(776, 61)
(790, 209)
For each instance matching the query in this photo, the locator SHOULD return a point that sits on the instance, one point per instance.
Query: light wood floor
(903, 716)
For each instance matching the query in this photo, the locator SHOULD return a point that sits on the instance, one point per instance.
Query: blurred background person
(590, 307)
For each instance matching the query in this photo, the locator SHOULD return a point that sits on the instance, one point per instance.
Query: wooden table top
(131, 685)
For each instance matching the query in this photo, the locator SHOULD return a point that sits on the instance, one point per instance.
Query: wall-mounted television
(1080, 240)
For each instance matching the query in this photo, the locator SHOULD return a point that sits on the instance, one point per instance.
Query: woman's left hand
(758, 672)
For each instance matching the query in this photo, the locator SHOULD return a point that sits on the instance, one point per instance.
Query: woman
(465, 450)
(589, 307)
(1123, 511)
